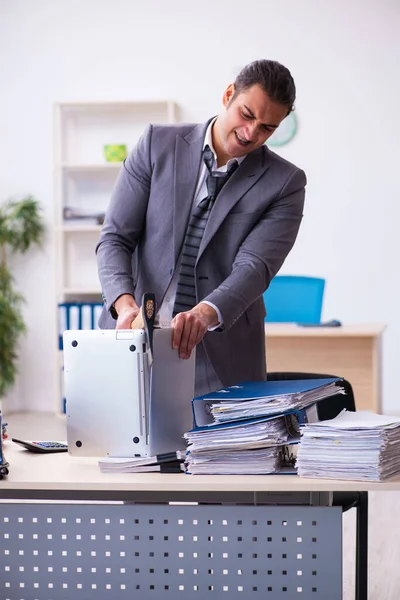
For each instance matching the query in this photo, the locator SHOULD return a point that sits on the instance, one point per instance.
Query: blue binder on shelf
(77, 316)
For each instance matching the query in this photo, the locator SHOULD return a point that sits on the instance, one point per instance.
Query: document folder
(117, 405)
(274, 398)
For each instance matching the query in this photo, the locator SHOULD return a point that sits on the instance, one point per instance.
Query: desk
(56, 475)
(256, 536)
(350, 351)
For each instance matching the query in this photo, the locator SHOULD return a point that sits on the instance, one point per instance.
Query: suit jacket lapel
(188, 152)
(248, 173)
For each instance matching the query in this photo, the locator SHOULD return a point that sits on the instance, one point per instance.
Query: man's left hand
(190, 327)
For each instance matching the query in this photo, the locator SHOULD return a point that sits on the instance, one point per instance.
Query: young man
(208, 262)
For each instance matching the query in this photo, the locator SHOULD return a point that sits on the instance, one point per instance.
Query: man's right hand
(127, 311)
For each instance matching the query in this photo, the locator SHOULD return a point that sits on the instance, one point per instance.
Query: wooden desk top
(29, 471)
(281, 330)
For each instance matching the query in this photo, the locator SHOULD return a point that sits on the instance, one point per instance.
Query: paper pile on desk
(354, 445)
(254, 399)
(252, 428)
(170, 462)
(244, 462)
(249, 447)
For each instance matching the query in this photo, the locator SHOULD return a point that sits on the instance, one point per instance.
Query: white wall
(344, 56)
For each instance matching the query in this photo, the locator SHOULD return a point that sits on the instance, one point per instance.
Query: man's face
(246, 121)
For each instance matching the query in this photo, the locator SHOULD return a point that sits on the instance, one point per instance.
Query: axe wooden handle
(138, 322)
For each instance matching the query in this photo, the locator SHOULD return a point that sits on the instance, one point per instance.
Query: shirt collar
(208, 142)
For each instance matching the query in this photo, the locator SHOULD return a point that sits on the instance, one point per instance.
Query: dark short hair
(272, 77)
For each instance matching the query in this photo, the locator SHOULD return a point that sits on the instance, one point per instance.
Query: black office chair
(329, 408)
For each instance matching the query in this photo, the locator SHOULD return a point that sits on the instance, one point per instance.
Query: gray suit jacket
(252, 227)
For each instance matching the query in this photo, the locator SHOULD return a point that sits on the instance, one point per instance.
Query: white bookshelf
(83, 181)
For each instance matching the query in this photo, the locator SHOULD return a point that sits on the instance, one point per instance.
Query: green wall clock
(285, 132)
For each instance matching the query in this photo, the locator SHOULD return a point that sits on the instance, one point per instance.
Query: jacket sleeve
(124, 222)
(262, 253)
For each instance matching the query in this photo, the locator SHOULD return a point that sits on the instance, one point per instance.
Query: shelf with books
(85, 193)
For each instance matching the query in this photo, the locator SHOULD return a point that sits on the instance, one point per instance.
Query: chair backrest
(294, 299)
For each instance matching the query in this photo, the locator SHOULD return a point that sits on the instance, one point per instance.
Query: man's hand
(190, 326)
(127, 311)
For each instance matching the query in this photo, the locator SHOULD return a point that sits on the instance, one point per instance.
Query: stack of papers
(244, 462)
(264, 398)
(239, 435)
(236, 436)
(239, 448)
(171, 462)
(249, 447)
(354, 445)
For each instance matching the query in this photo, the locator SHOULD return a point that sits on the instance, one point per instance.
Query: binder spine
(77, 315)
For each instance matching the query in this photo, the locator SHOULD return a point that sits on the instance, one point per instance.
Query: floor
(384, 548)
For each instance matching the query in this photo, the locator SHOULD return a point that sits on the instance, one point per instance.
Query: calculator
(42, 446)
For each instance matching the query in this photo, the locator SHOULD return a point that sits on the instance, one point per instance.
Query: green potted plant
(21, 226)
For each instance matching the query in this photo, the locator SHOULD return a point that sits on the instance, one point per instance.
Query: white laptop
(118, 405)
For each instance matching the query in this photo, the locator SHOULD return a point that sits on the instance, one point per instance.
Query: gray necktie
(186, 289)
